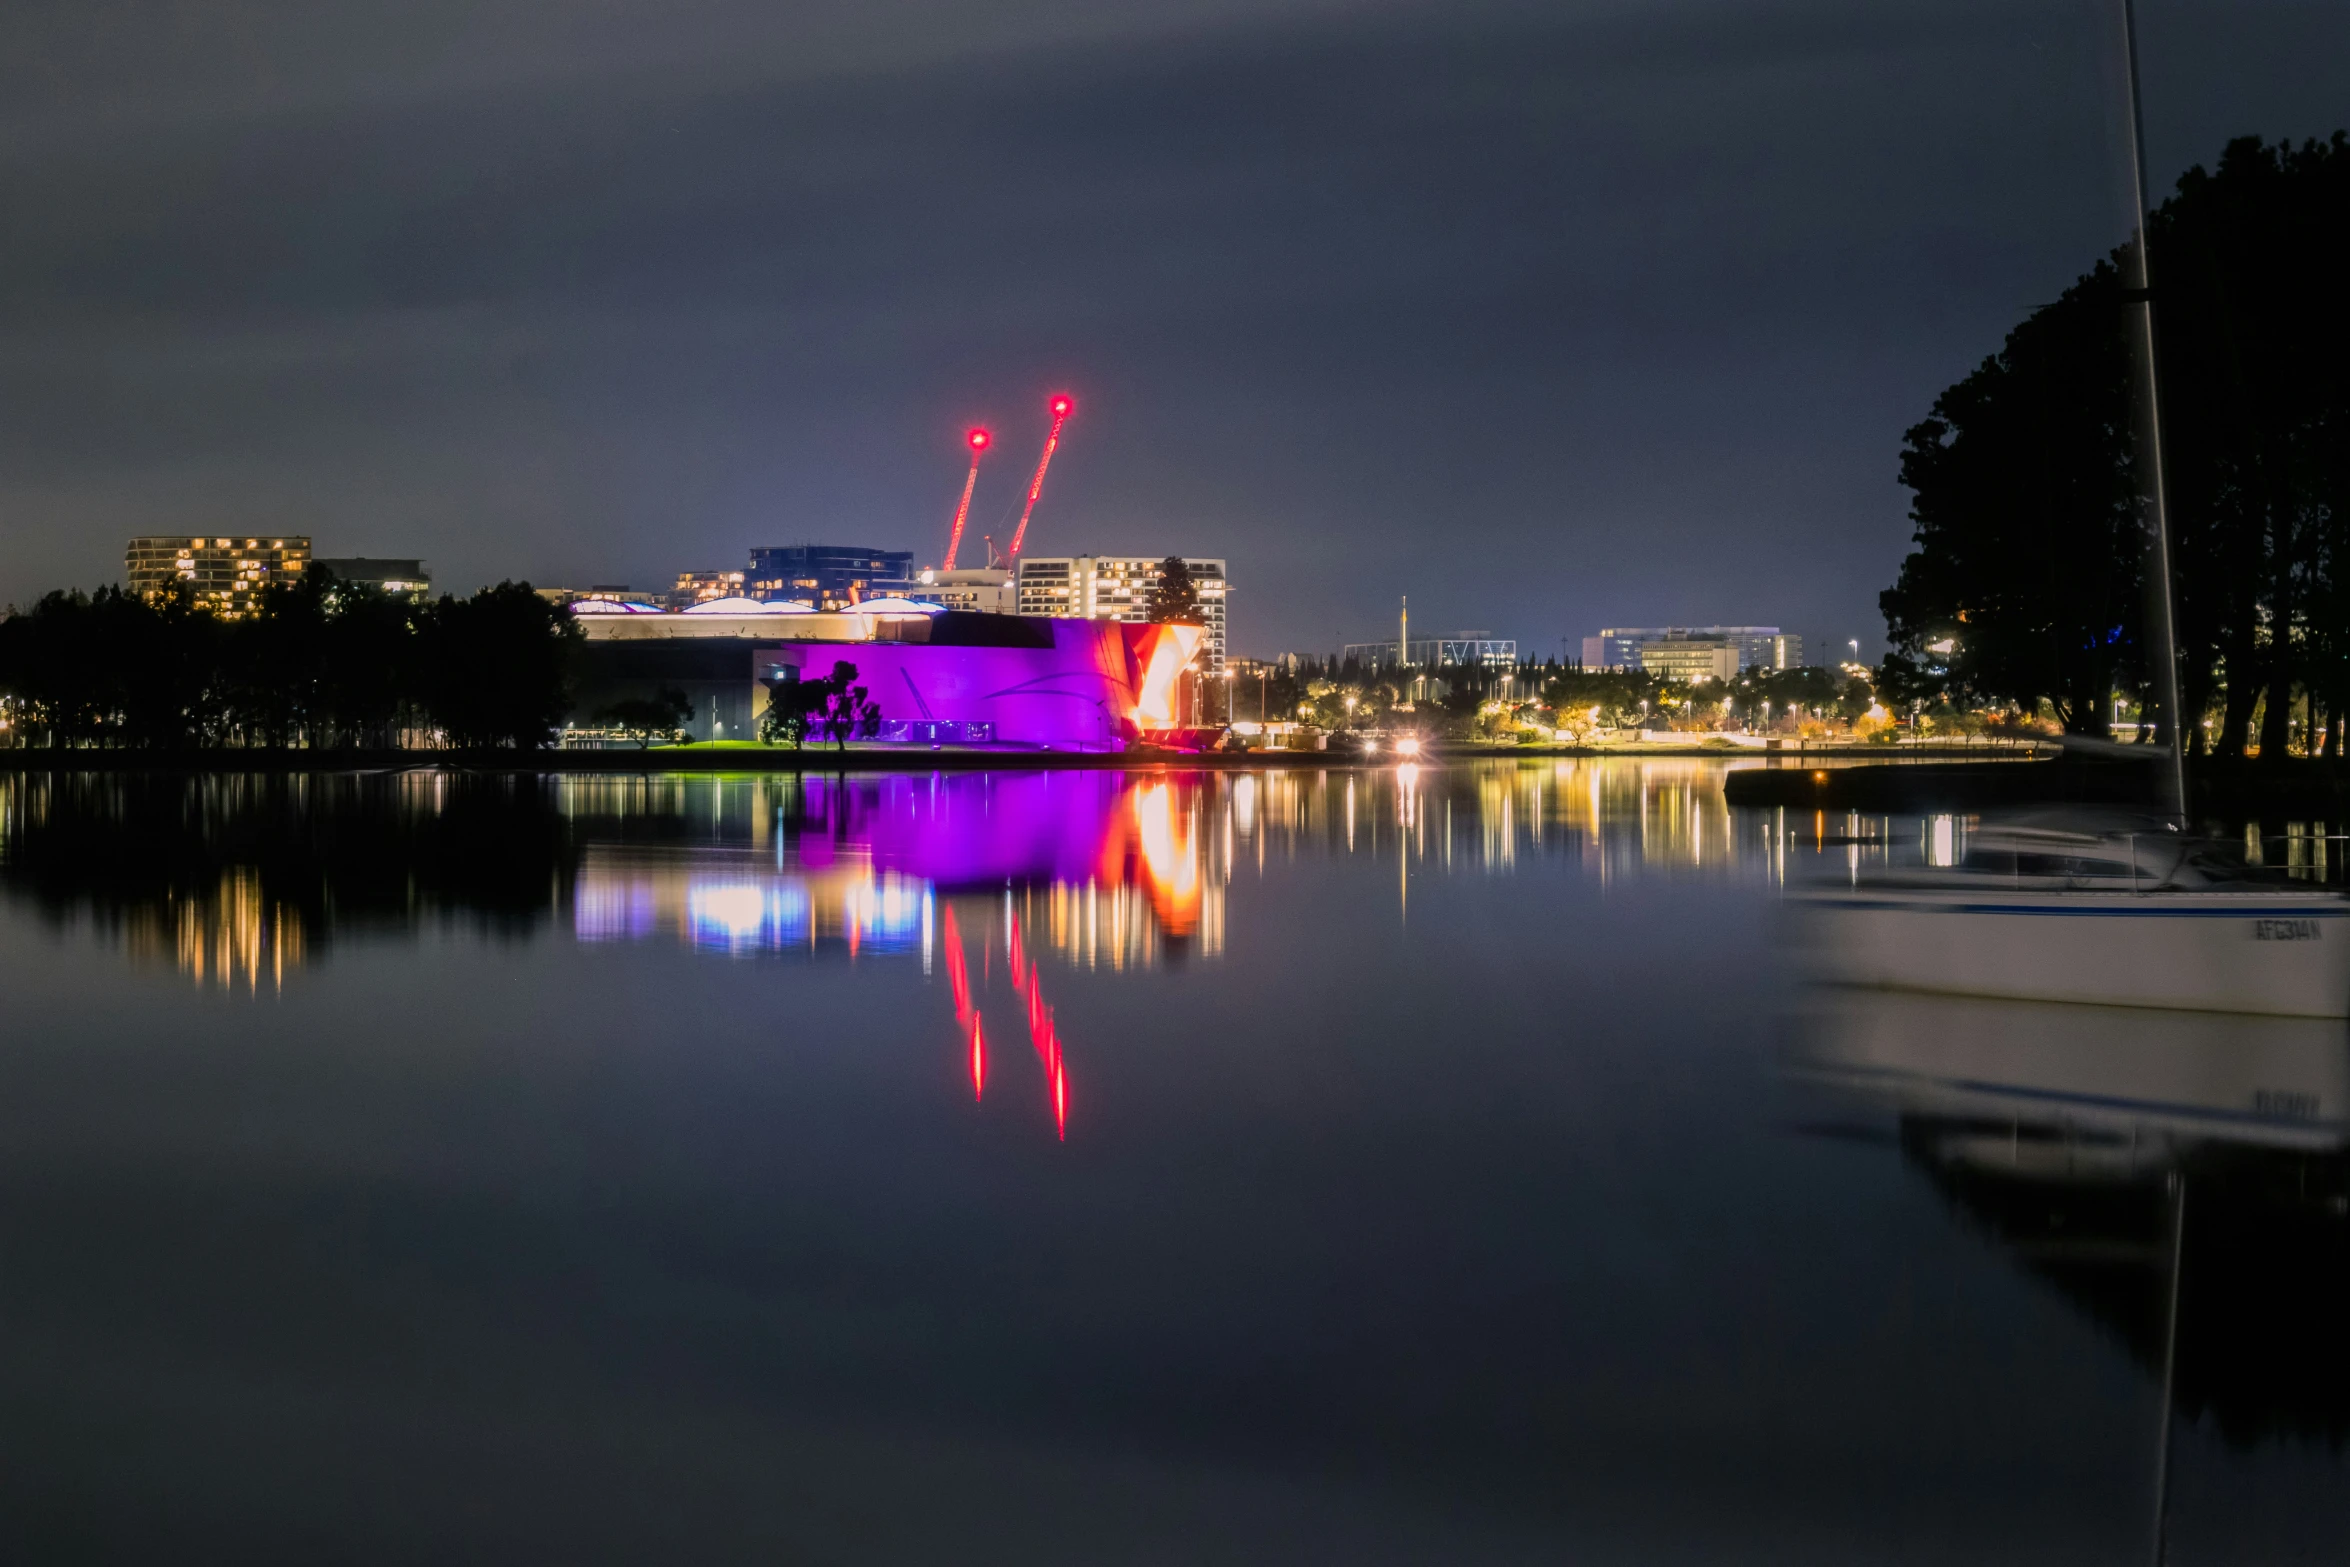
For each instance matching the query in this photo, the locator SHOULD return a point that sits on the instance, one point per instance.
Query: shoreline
(760, 759)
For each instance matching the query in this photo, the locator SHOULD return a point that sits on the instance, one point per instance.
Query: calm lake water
(1438, 1166)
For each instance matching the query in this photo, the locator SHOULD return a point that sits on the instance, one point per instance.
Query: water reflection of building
(734, 902)
(1120, 869)
(1619, 817)
(1106, 869)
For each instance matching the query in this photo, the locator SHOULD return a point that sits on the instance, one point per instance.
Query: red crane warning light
(1062, 407)
(977, 440)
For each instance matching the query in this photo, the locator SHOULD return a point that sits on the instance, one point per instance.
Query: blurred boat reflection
(2157, 1168)
(2033, 1087)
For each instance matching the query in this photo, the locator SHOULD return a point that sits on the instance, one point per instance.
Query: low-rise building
(226, 575)
(1756, 647)
(406, 579)
(984, 591)
(1690, 659)
(603, 592)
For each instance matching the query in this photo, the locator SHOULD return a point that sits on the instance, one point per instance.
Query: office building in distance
(1470, 647)
(1693, 652)
(226, 575)
(406, 579)
(828, 576)
(1118, 587)
(985, 591)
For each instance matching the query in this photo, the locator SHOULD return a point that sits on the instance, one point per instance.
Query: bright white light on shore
(1407, 746)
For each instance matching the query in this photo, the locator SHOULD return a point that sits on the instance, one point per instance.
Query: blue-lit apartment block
(829, 576)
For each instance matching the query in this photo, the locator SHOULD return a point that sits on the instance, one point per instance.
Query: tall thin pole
(2141, 293)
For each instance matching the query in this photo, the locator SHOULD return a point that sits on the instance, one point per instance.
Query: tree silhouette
(1174, 598)
(2030, 539)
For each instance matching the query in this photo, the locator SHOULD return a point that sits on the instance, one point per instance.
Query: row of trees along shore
(1540, 702)
(2029, 582)
(321, 663)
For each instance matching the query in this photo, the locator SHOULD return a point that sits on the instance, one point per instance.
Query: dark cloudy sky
(1548, 314)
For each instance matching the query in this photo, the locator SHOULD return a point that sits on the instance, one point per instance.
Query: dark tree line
(2029, 578)
(321, 663)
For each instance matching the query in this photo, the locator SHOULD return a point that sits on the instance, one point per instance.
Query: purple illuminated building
(937, 676)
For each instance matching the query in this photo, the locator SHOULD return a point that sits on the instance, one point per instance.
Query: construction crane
(1062, 406)
(977, 440)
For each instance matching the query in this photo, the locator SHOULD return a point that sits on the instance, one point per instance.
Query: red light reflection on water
(966, 1015)
(1047, 1040)
(1043, 1034)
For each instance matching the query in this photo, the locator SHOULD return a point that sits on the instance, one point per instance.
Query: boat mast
(2140, 293)
(2175, 1187)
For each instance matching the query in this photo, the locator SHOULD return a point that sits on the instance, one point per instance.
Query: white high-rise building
(1118, 587)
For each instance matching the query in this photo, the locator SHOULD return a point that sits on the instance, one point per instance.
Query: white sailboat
(2062, 907)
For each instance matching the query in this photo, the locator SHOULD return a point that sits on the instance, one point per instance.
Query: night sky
(1548, 314)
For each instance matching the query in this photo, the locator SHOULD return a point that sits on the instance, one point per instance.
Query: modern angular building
(1676, 647)
(939, 677)
(828, 576)
(1118, 587)
(227, 575)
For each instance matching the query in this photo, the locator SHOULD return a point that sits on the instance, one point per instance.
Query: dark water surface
(1366, 1166)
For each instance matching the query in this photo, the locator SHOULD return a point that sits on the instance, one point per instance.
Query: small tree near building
(849, 712)
(1174, 597)
(792, 706)
(644, 719)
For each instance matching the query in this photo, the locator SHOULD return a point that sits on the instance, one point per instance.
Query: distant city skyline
(1542, 315)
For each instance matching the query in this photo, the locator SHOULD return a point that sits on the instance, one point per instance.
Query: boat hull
(2273, 954)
